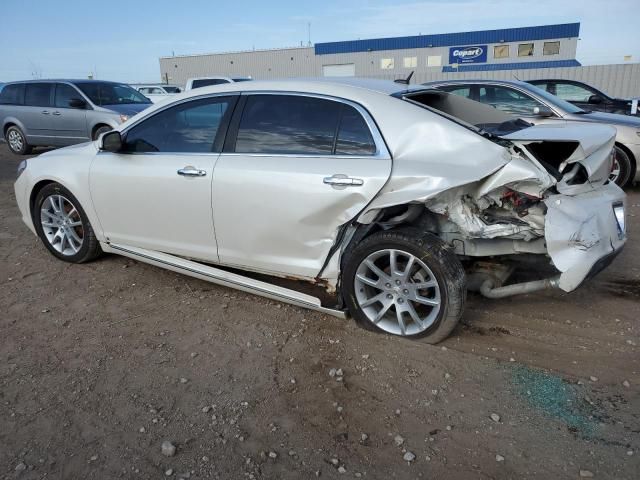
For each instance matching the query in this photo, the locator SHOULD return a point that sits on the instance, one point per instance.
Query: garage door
(342, 70)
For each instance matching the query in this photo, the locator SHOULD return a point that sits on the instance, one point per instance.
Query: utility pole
(309, 34)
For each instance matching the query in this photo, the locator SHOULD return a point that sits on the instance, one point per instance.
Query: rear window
(206, 82)
(38, 94)
(12, 94)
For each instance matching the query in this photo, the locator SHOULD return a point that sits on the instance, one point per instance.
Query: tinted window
(12, 94)
(171, 89)
(38, 94)
(189, 127)
(64, 93)
(508, 100)
(354, 136)
(111, 93)
(205, 82)
(572, 93)
(463, 91)
(287, 124)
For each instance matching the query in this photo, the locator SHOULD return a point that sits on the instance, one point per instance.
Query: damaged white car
(392, 199)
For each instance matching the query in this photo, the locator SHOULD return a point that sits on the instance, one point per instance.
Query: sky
(118, 40)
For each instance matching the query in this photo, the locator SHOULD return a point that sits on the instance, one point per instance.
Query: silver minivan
(64, 112)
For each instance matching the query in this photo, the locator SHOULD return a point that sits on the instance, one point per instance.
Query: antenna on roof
(404, 81)
(514, 76)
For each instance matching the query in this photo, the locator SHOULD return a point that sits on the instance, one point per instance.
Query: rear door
(36, 113)
(69, 124)
(294, 169)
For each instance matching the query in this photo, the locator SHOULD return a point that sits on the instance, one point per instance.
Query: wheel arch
(12, 122)
(98, 125)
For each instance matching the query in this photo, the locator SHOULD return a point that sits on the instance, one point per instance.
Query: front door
(69, 124)
(294, 169)
(156, 193)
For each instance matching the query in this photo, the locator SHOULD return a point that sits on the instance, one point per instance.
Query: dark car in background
(56, 113)
(585, 96)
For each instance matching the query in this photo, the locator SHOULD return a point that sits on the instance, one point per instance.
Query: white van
(207, 81)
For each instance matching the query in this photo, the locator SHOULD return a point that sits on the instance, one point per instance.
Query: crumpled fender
(580, 230)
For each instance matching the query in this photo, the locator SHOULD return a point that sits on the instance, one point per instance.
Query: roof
(542, 32)
(69, 80)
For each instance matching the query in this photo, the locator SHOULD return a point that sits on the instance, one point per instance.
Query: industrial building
(525, 53)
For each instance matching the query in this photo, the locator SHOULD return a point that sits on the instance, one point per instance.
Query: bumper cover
(582, 233)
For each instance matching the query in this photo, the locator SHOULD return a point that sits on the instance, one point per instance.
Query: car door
(294, 169)
(36, 113)
(515, 102)
(156, 192)
(69, 124)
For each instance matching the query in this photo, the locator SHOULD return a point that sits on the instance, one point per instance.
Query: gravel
(168, 449)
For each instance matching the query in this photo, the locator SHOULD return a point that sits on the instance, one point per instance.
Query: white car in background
(385, 196)
(158, 93)
(200, 82)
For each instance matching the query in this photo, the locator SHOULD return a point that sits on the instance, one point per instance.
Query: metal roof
(542, 32)
(491, 67)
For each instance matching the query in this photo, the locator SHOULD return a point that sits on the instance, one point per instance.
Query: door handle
(190, 171)
(340, 180)
(57, 113)
(45, 112)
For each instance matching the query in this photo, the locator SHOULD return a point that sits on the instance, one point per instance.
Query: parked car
(539, 106)
(585, 96)
(157, 93)
(208, 81)
(63, 112)
(376, 191)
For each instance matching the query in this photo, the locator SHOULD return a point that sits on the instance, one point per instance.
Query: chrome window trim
(382, 152)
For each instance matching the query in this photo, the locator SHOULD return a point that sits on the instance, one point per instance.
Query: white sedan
(394, 199)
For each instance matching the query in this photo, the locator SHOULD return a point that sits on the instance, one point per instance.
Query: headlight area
(22, 166)
(618, 211)
(123, 118)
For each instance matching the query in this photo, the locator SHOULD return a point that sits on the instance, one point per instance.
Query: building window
(410, 62)
(501, 51)
(386, 63)
(434, 61)
(525, 50)
(551, 48)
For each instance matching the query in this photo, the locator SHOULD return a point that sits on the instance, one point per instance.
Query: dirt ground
(102, 362)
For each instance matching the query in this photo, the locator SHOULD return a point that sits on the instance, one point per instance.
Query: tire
(63, 226)
(100, 130)
(17, 141)
(621, 170)
(434, 267)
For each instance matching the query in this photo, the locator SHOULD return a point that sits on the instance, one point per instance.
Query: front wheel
(63, 226)
(406, 283)
(99, 131)
(621, 168)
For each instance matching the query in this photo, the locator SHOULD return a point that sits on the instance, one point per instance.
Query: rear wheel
(100, 130)
(405, 283)
(17, 141)
(63, 226)
(621, 168)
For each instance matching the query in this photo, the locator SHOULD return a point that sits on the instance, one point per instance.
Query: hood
(610, 118)
(129, 109)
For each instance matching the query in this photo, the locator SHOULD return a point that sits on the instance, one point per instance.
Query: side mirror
(542, 112)
(77, 103)
(111, 141)
(595, 99)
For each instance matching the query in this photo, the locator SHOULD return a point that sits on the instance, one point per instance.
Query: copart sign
(475, 54)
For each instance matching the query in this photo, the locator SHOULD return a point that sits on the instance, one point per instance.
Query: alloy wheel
(16, 142)
(397, 292)
(62, 224)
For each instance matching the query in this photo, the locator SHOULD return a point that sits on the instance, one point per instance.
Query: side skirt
(221, 277)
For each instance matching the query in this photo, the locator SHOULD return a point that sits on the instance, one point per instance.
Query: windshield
(171, 89)
(111, 93)
(241, 79)
(556, 101)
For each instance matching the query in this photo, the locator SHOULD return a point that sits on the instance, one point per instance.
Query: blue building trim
(542, 32)
(490, 67)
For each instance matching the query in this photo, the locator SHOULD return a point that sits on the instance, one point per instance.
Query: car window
(155, 91)
(64, 93)
(463, 91)
(206, 82)
(186, 128)
(288, 124)
(144, 90)
(507, 99)
(354, 136)
(111, 93)
(172, 89)
(548, 86)
(573, 93)
(12, 94)
(38, 94)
